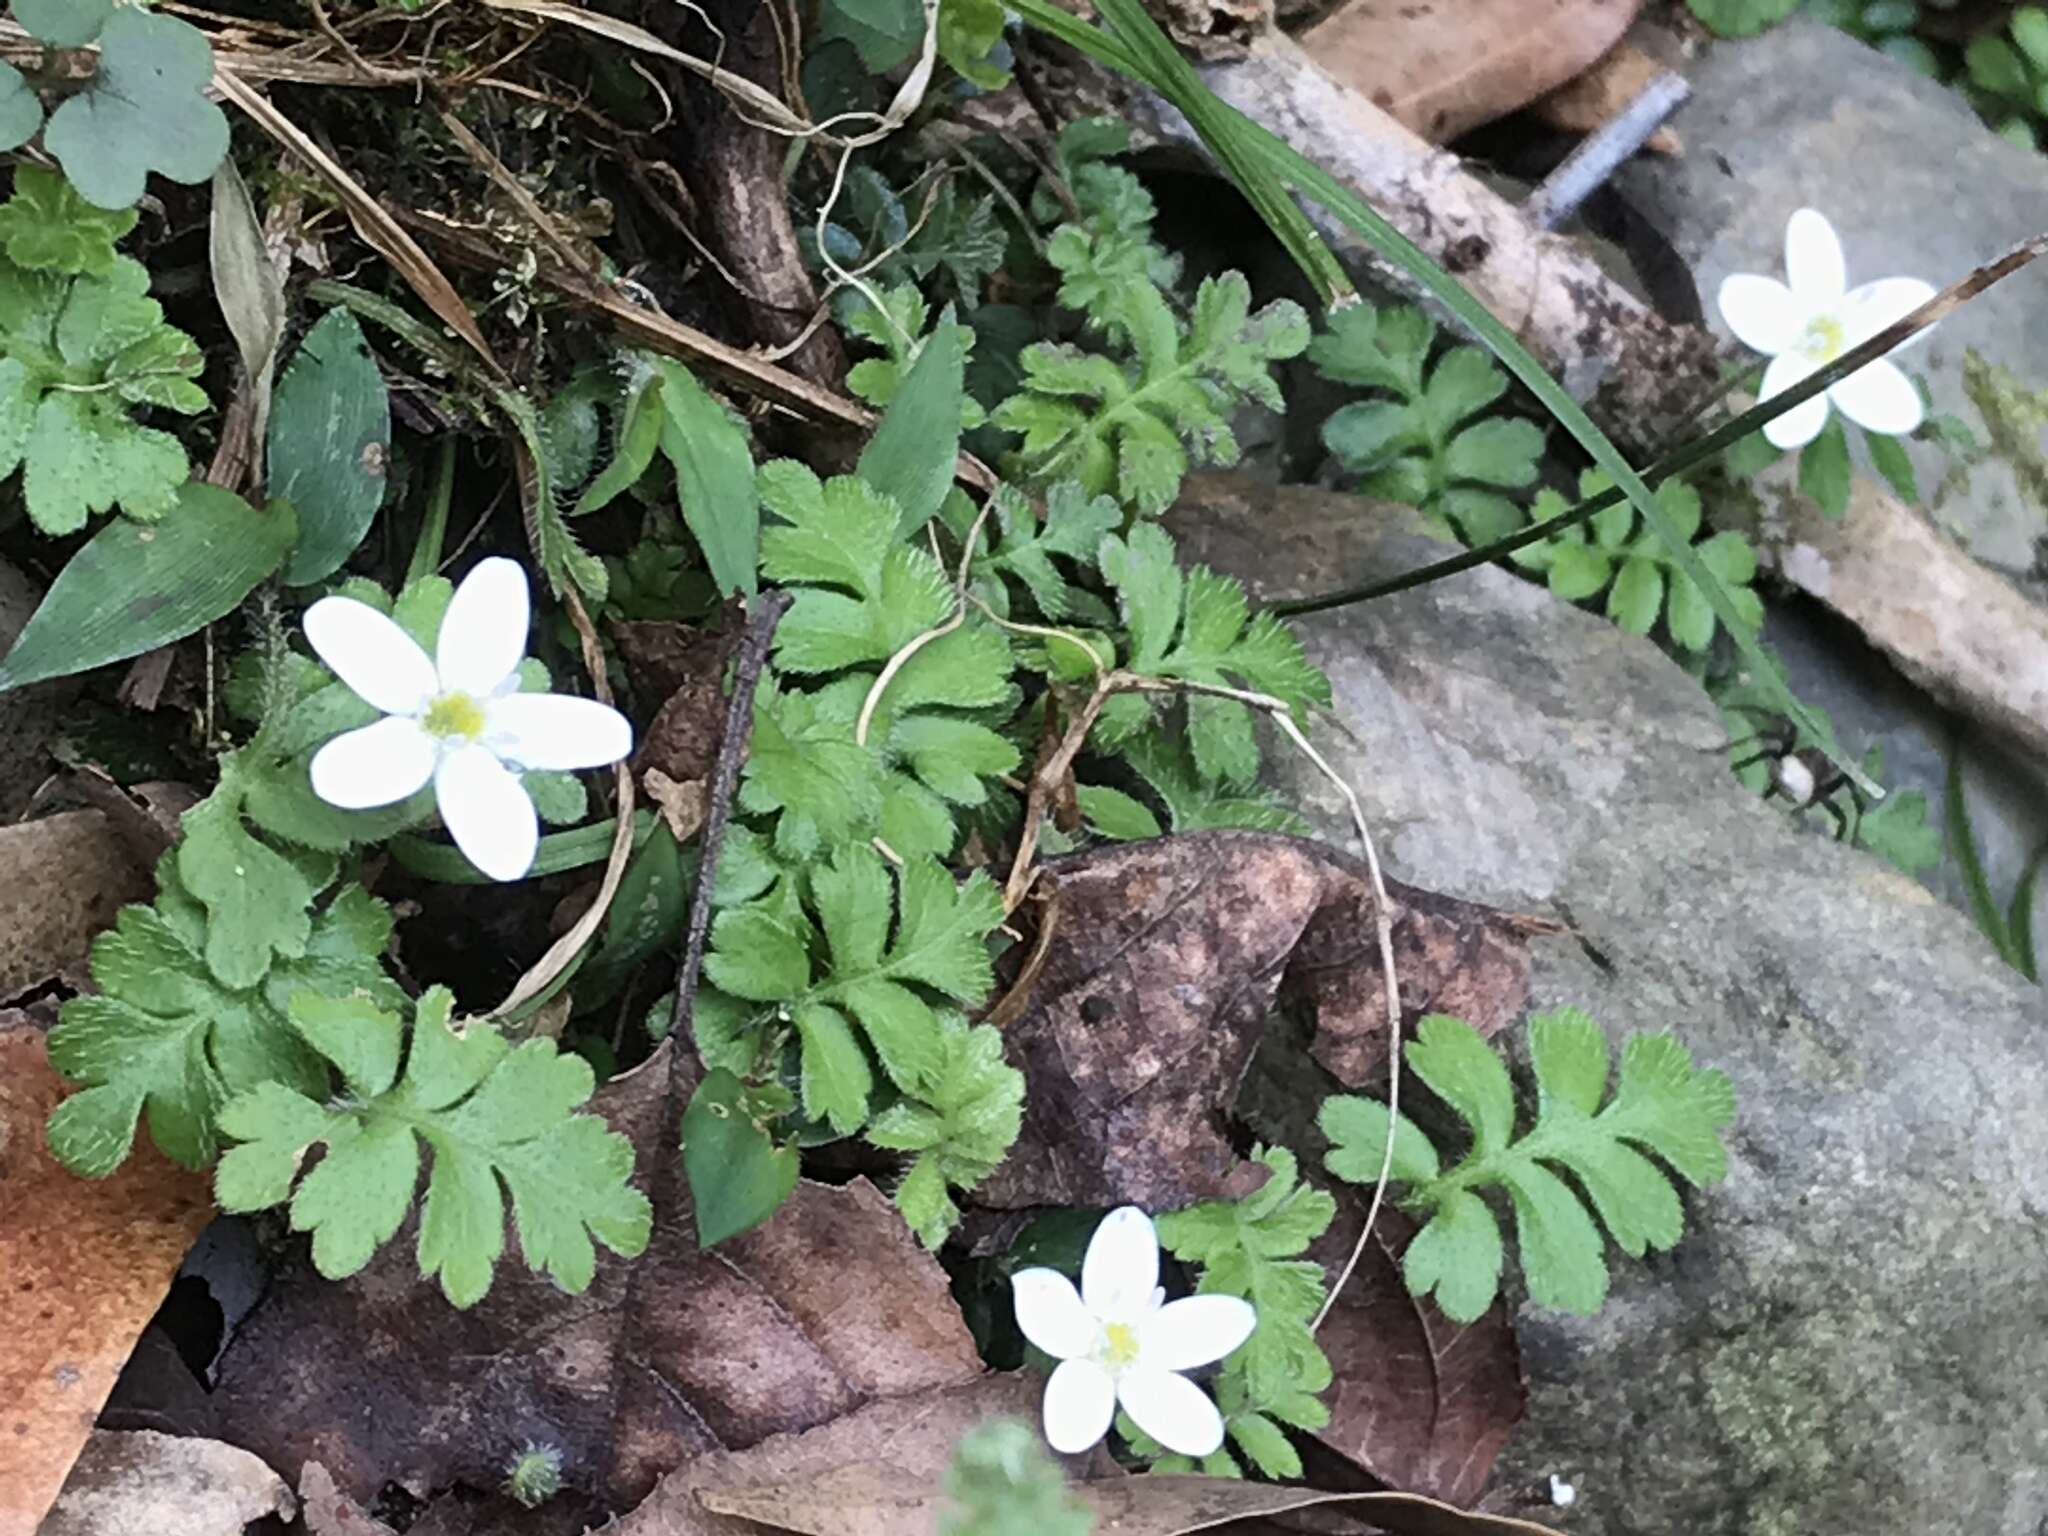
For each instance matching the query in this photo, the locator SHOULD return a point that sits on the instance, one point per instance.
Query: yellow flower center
(1825, 340)
(1119, 1346)
(454, 715)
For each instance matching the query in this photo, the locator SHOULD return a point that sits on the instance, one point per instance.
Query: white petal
(487, 812)
(1800, 425)
(1194, 1331)
(1762, 312)
(378, 765)
(1813, 260)
(1879, 398)
(366, 650)
(557, 731)
(1050, 1314)
(1080, 1400)
(1121, 1267)
(483, 637)
(1870, 308)
(1172, 1410)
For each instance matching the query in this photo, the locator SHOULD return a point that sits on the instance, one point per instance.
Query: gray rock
(1830, 667)
(1915, 184)
(1853, 1336)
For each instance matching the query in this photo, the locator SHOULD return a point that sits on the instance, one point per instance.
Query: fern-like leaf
(1662, 1104)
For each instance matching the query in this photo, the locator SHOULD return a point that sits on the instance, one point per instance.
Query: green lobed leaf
(21, 110)
(47, 227)
(496, 1121)
(132, 589)
(330, 445)
(146, 110)
(63, 23)
(163, 1037)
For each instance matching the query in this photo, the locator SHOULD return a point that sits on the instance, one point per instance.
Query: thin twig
(767, 613)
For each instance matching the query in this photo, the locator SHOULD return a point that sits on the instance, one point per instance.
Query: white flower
(1807, 325)
(457, 720)
(1117, 1344)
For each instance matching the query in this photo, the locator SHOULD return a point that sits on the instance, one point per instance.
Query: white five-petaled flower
(1812, 318)
(1116, 1343)
(457, 719)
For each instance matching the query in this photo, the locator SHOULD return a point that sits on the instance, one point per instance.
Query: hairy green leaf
(714, 478)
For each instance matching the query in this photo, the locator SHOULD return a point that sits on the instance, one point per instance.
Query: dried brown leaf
(140, 1483)
(62, 879)
(800, 1494)
(877, 1468)
(86, 1266)
(1419, 1403)
(1590, 100)
(682, 806)
(1154, 992)
(1444, 66)
(330, 1512)
(830, 1306)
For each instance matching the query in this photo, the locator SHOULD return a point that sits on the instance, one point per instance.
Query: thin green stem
(426, 551)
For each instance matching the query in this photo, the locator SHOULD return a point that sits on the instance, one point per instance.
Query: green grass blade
(1253, 155)
(1217, 124)
(2019, 919)
(1962, 838)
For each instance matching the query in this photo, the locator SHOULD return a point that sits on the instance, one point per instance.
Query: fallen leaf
(330, 1512)
(86, 1266)
(1419, 1403)
(140, 1483)
(880, 1466)
(686, 669)
(1167, 959)
(62, 879)
(1445, 66)
(817, 1491)
(1592, 99)
(828, 1307)
(682, 806)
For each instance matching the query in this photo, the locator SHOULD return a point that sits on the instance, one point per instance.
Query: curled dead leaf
(1445, 66)
(1156, 988)
(140, 1483)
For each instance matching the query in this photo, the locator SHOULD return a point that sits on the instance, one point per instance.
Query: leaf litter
(831, 1306)
(1168, 960)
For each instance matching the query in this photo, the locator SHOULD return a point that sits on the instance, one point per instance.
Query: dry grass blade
(544, 972)
(373, 221)
(773, 115)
